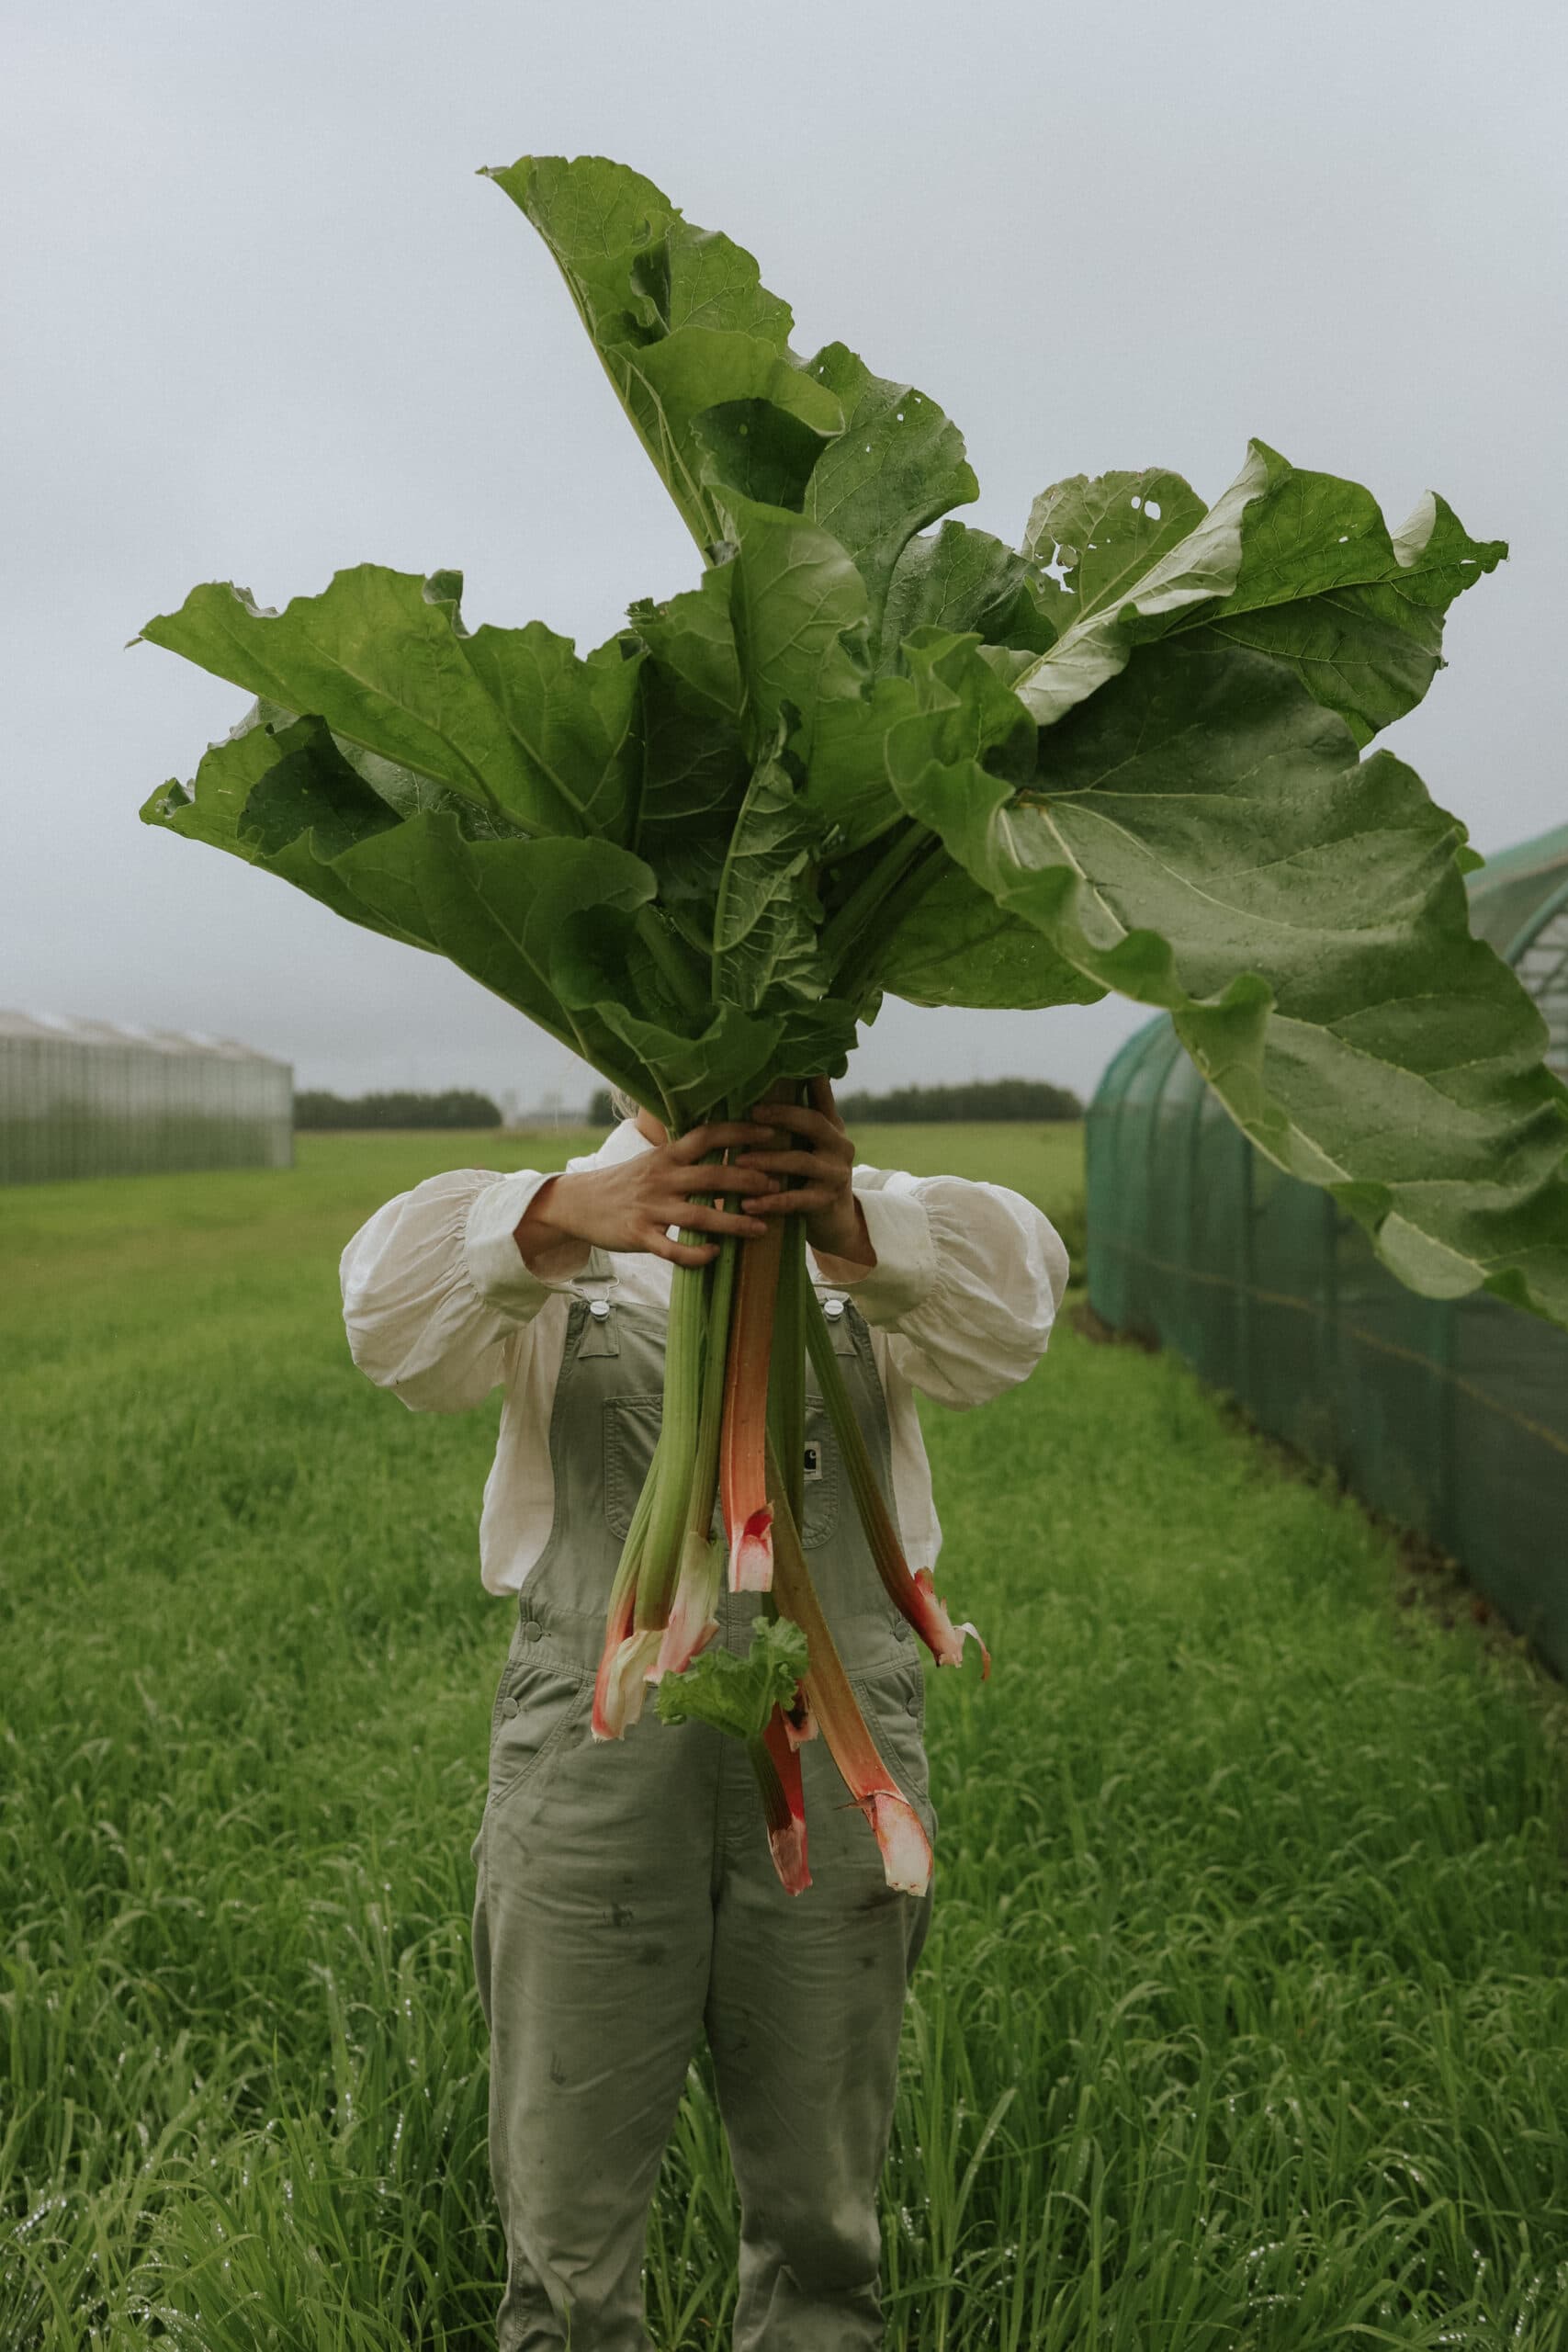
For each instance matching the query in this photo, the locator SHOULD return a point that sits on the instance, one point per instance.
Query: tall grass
(1243, 2025)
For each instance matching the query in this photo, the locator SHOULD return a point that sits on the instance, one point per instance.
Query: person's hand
(818, 1150)
(630, 1206)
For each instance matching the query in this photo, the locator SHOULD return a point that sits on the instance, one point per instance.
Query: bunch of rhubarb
(874, 749)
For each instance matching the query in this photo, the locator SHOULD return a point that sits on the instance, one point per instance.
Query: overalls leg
(593, 1924)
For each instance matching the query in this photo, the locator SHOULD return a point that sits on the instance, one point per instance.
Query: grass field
(1244, 2024)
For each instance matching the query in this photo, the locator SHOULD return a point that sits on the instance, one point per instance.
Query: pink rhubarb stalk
(693, 1624)
(914, 1594)
(898, 1830)
(743, 1472)
(777, 1767)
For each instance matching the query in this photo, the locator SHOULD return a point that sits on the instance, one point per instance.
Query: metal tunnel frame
(1450, 1415)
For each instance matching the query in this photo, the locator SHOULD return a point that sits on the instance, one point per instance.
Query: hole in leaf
(1136, 499)
(1152, 509)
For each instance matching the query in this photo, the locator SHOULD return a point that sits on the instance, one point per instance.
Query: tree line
(455, 1108)
(981, 1098)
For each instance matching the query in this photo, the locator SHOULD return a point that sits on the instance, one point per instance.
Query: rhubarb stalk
(777, 1766)
(692, 1622)
(913, 1594)
(618, 1685)
(900, 1835)
(748, 1517)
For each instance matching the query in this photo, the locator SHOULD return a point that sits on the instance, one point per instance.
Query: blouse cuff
(495, 1264)
(900, 1230)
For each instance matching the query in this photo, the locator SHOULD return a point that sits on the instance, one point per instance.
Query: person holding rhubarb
(630, 1892)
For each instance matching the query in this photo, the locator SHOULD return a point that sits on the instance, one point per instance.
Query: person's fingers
(719, 1178)
(797, 1163)
(822, 1100)
(813, 1128)
(682, 1253)
(724, 1135)
(702, 1219)
(806, 1197)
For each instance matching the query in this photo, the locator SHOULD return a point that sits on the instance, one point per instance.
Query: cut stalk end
(621, 1683)
(901, 1840)
(752, 1553)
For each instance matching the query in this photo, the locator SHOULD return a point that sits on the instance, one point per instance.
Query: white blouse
(440, 1308)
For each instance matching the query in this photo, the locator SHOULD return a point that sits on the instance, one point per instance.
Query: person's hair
(625, 1105)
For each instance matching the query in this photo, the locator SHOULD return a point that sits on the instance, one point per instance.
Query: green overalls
(627, 1899)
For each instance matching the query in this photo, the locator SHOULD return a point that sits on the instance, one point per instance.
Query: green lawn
(1243, 2025)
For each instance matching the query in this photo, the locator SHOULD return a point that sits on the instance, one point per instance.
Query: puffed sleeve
(967, 1282)
(435, 1287)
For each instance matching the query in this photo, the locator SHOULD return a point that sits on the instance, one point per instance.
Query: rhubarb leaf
(1355, 610)
(798, 608)
(678, 315)
(738, 1694)
(898, 464)
(1201, 835)
(957, 947)
(308, 806)
(766, 915)
(601, 969)
(509, 718)
(962, 579)
(1298, 565)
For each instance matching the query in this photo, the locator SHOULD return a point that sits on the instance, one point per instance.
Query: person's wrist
(847, 1242)
(549, 1236)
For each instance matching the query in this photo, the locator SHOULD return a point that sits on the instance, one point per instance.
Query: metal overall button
(599, 1309)
(532, 1630)
(832, 1308)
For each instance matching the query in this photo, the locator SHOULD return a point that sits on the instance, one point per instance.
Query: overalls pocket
(631, 1431)
(893, 1701)
(541, 1696)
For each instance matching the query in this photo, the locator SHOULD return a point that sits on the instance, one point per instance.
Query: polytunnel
(100, 1098)
(1451, 1416)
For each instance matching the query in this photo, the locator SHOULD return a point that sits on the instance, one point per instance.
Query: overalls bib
(628, 1901)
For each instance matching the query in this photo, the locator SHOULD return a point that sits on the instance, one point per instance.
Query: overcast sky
(264, 321)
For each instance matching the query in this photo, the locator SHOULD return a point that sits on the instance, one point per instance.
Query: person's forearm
(546, 1239)
(850, 1256)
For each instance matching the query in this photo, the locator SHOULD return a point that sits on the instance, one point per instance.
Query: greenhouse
(96, 1098)
(1450, 1415)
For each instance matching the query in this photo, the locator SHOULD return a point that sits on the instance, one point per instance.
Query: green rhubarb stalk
(912, 1594)
(786, 1375)
(692, 1622)
(900, 1835)
(677, 1453)
(615, 1689)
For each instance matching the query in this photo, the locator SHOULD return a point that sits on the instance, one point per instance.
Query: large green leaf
(898, 464)
(797, 605)
(1298, 565)
(963, 579)
(1355, 610)
(286, 801)
(1148, 573)
(766, 912)
(678, 315)
(511, 718)
(600, 970)
(497, 909)
(956, 945)
(1200, 835)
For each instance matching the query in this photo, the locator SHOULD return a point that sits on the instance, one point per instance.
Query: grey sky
(265, 322)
